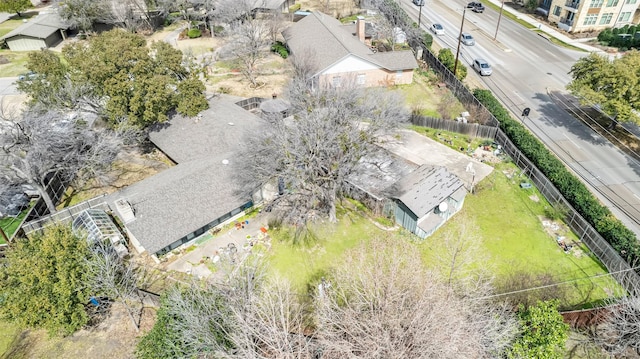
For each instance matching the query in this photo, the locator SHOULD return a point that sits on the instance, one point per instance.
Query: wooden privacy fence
(474, 130)
(616, 265)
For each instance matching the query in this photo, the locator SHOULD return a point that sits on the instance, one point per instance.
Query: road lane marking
(565, 135)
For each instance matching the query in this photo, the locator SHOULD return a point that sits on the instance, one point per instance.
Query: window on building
(557, 10)
(398, 74)
(612, 3)
(590, 19)
(337, 81)
(624, 17)
(630, 1)
(596, 3)
(606, 18)
(361, 80)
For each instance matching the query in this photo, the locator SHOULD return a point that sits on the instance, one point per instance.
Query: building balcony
(573, 4)
(566, 21)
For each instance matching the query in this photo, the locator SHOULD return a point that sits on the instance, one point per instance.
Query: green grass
(302, 262)
(560, 42)
(514, 239)
(511, 235)
(17, 63)
(457, 140)
(10, 224)
(8, 333)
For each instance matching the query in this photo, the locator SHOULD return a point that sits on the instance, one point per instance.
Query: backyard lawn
(510, 231)
(10, 224)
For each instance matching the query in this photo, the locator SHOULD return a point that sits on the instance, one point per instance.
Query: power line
(557, 284)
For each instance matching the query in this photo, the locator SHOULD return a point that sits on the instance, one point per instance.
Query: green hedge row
(621, 238)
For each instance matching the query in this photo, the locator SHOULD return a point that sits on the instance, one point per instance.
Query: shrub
(194, 33)
(576, 193)
(427, 40)
(279, 48)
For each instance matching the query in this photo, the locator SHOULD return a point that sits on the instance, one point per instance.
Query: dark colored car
(475, 6)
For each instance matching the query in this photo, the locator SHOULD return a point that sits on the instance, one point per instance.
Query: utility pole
(499, 17)
(455, 64)
(420, 14)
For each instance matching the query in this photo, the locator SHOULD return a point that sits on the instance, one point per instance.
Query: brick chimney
(360, 28)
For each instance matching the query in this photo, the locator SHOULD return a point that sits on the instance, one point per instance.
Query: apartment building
(589, 15)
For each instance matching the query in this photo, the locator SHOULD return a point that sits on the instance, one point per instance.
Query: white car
(437, 29)
(482, 66)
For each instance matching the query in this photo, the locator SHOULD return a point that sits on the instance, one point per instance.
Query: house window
(590, 19)
(398, 75)
(624, 16)
(630, 1)
(337, 81)
(361, 79)
(557, 10)
(612, 3)
(606, 18)
(596, 3)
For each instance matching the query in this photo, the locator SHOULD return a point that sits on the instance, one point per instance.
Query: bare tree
(114, 277)
(275, 23)
(36, 146)
(382, 303)
(619, 335)
(83, 14)
(457, 252)
(313, 153)
(249, 44)
(242, 316)
(231, 11)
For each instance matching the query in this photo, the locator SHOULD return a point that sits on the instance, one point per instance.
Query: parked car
(437, 29)
(467, 39)
(482, 66)
(418, 2)
(475, 6)
(28, 76)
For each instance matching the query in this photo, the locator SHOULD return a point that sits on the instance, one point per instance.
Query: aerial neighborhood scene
(319, 179)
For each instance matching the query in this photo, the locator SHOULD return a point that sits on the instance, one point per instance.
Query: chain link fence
(615, 264)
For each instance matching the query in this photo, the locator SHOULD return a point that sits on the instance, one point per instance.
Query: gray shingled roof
(374, 175)
(41, 27)
(425, 188)
(179, 200)
(217, 130)
(186, 197)
(332, 41)
(268, 4)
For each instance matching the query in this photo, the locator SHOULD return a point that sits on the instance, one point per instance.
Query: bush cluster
(279, 48)
(612, 230)
(194, 33)
(625, 37)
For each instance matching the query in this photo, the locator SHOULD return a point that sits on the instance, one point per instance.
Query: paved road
(526, 69)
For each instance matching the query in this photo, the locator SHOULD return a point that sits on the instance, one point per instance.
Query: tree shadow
(561, 114)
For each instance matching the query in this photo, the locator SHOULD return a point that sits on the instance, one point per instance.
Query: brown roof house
(342, 56)
(41, 32)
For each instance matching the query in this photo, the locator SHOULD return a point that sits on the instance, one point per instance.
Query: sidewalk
(544, 27)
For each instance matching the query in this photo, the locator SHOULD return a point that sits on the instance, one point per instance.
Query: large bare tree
(619, 335)
(249, 44)
(381, 302)
(113, 277)
(243, 316)
(37, 145)
(314, 152)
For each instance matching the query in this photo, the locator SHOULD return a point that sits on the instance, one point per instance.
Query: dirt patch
(274, 75)
(559, 232)
(130, 167)
(337, 8)
(115, 337)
